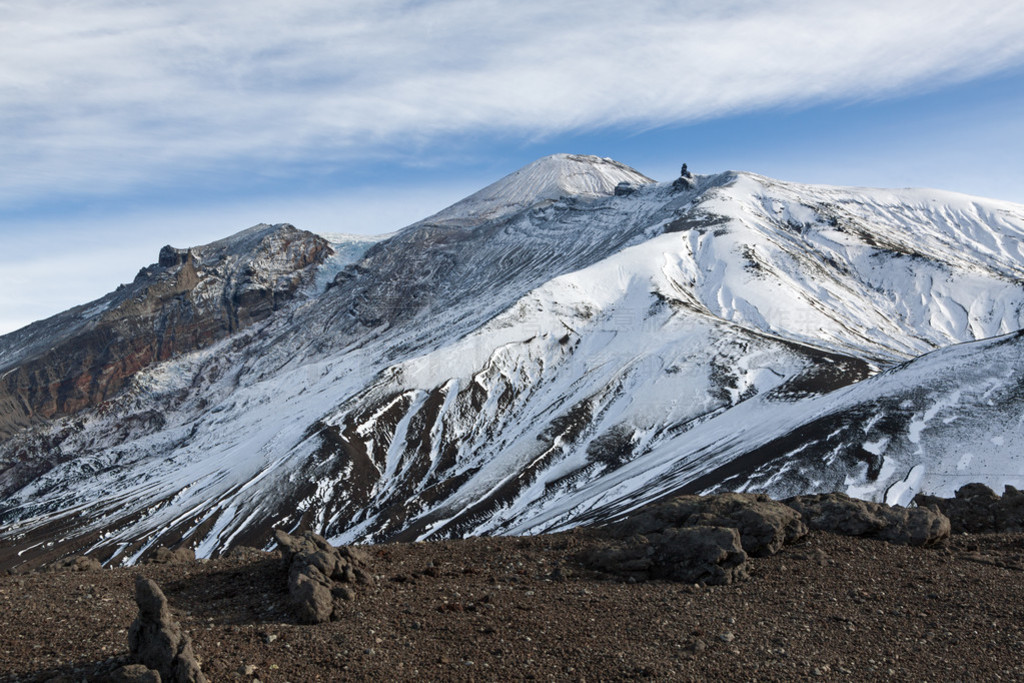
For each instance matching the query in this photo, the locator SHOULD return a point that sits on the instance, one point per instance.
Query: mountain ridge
(506, 372)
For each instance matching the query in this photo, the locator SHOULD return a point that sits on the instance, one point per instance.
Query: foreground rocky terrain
(815, 605)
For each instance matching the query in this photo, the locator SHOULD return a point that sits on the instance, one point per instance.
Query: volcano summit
(545, 353)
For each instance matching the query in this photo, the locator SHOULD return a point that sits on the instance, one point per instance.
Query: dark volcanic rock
(80, 563)
(977, 508)
(170, 257)
(696, 539)
(314, 565)
(841, 514)
(157, 642)
(682, 183)
(624, 189)
(764, 525)
(698, 554)
(180, 555)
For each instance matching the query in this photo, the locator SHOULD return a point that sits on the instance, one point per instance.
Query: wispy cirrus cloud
(102, 94)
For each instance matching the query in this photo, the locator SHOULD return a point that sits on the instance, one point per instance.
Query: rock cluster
(696, 539)
(841, 514)
(320, 575)
(764, 525)
(708, 555)
(157, 642)
(182, 555)
(977, 508)
(79, 563)
(707, 539)
(170, 256)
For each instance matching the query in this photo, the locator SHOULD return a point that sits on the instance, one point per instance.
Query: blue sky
(126, 126)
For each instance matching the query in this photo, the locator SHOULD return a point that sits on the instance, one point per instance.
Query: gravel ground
(830, 608)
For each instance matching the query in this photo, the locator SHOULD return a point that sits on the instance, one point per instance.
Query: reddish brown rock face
(189, 300)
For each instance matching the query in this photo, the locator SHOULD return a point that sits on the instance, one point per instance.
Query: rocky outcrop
(624, 189)
(696, 539)
(320, 576)
(192, 298)
(763, 524)
(182, 555)
(841, 514)
(80, 563)
(682, 184)
(976, 508)
(170, 257)
(157, 642)
(708, 555)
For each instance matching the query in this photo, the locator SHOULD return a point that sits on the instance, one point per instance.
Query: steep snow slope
(553, 355)
(948, 418)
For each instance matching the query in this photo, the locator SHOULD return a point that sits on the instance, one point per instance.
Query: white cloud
(96, 95)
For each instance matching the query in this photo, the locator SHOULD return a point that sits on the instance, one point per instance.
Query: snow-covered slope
(547, 353)
(547, 179)
(948, 418)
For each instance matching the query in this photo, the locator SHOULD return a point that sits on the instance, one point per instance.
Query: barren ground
(830, 607)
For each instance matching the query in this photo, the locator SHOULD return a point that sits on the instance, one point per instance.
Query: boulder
(310, 593)
(764, 525)
(696, 539)
(181, 555)
(80, 563)
(314, 566)
(696, 554)
(157, 642)
(841, 514)
(915, 526)
(976, 508)
(170, 256)
(1009, 511)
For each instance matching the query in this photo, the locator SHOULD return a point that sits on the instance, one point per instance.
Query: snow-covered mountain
(544, 353)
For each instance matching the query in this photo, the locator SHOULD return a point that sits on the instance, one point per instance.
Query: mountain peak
(546, 179)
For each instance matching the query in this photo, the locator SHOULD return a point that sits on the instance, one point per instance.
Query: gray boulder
(1009, 512)
(839, 513)
(157, 642)
(314, 569)
(310, 593)
(764, 525)
(79, 563)
(697, 554)
(181, 555)
(976, 508)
